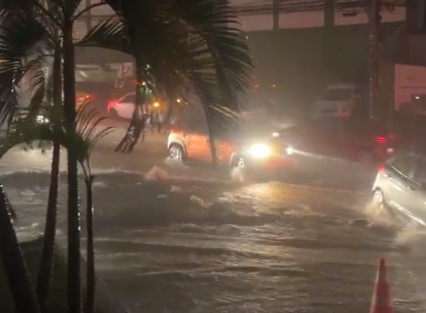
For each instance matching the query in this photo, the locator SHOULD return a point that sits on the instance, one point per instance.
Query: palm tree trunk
(14, 264)
(74, 275)
(47, 258)
(91, 281)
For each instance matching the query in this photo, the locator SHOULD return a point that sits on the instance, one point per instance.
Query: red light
(380, 168)
(381, 140)
(112, 104)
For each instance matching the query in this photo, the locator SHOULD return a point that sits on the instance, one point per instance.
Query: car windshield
(336, 94)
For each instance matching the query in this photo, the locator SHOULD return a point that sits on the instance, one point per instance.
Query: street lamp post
(373, 45)
(276, 15)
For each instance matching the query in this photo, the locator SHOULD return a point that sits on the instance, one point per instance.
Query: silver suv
(401, 186)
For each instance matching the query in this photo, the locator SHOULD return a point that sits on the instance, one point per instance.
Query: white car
(336, 101)
(122, 107)
(401, 186)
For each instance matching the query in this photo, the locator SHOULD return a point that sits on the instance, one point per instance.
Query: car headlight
(289, 150)
(260, 151)
(275, 134)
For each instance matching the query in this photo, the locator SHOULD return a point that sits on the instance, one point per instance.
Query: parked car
(122, 107)
(188, 140)
(400, 186)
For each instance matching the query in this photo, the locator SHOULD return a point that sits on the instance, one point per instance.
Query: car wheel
(379, 200)
(366, 158)
(176, 153)
(380, 204)
(113, 113)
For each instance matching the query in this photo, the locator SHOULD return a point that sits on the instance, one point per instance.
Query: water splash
(238, 175)
(198, 201)
(411, 235)
(176, 189)
(157, 174)
(379, 215)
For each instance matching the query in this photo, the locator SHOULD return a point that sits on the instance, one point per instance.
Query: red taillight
(112, 104)
(381, 140)
(380, 168)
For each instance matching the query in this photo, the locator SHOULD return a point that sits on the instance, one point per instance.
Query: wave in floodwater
(257, 248)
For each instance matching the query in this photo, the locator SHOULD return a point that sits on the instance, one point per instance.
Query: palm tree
(24, 297)
(214, 61)
(180, 43)
(47, 257)
(88, 133)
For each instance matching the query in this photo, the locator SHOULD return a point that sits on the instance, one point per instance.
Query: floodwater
(192, 245)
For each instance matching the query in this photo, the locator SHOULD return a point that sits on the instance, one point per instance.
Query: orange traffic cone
(381, 302)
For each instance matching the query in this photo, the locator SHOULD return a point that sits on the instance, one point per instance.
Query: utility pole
(329, 8)
(374, 19)
(276, 15)
(88, 17)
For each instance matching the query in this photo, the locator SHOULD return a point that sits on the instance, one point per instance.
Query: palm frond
(89, 130)
(109, 34)
(20, 36)
(215, 22)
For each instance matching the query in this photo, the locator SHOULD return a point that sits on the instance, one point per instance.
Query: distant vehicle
(338, 100)
(189, 141)
(365, 141)
(400, 186)
(83, 97)
(122, 107)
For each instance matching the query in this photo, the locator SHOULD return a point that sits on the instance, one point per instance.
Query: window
(404, 165)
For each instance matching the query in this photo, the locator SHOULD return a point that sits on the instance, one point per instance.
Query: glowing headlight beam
(289, 150)
(260, 151)
(275, 134)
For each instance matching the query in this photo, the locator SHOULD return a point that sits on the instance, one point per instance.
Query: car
(337, 100)
(122, 107)
(82, 97)
(364, 143)
(189, 141)
(400, 186)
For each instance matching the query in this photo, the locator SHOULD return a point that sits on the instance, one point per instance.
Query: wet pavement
(178, 239)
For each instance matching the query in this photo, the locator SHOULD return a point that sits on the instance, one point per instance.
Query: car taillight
(380, 168)
(381, 140)
(112, 104)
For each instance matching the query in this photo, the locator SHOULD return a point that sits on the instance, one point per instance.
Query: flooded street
(202, 245)
(189, 240)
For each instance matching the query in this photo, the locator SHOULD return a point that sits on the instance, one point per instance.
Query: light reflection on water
(266, 247)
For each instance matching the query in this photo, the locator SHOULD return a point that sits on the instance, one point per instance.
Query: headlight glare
(289, 150)
(260, 151)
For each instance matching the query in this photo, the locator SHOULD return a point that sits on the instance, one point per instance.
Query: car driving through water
(253, 151)
(400, 186)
